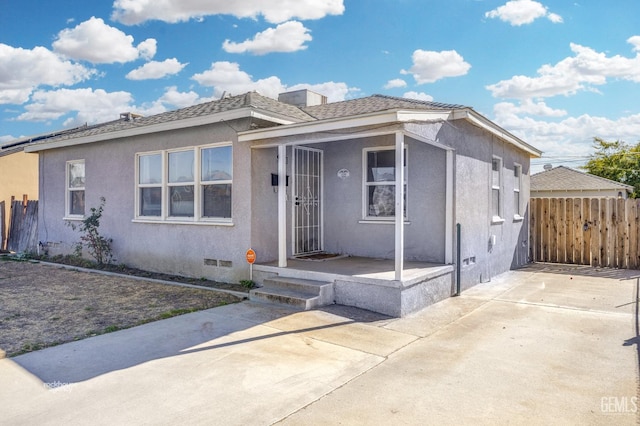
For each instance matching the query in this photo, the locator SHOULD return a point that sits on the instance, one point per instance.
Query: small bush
(98, 246)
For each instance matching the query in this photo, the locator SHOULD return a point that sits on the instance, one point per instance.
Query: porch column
(399, 228)
(282, 206)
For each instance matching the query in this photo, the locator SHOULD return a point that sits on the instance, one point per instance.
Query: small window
(75, 188)
(380, 183)
(215, 180)
(150, 184)
(181, 183)
(517, 182)
(496, 197)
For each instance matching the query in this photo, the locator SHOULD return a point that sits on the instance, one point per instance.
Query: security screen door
(307, 200)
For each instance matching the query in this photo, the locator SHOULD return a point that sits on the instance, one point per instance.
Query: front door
(307, 200)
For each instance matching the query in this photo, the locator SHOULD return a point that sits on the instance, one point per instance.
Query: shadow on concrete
(207, 330)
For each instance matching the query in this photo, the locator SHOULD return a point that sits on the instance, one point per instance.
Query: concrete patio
(547, 344)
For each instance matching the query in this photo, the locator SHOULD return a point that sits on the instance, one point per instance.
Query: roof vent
(547, 166)
(130, 116)
(302, 98)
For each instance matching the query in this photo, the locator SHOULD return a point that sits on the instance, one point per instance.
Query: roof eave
(388, 117)
(340, 123)
(245, 112)
(498, 131)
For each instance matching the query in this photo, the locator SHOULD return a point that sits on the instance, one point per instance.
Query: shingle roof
(354, 107)
(563, 178)
(374, 103)
(251, 99)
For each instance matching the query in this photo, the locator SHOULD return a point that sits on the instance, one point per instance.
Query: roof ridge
(583, 174)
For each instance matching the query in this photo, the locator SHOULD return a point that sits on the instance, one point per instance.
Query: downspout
(458, 259)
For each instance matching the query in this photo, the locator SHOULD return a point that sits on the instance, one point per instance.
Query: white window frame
(365, 185)
(517, 191)
(69, 190)
(197, 184)
(160, 185)
(496, 187)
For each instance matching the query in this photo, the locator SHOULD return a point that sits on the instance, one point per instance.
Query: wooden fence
(23, 226)
(585, 231)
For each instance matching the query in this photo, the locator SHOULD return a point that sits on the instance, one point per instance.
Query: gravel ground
(43, 305)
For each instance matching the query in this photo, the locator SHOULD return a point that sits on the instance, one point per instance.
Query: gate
(602, 232)
(307, 201)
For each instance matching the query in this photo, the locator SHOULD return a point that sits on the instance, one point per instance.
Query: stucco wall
(474, 151)
(344, 230)
(164, 247)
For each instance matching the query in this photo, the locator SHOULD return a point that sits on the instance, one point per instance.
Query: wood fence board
(545, 229)
(23, 229)
(622, 244)
(594, 221)
(539, 230)
(577, 230)
(634, 230)
(569, 231)
(562, 234)
(553, 230)
(586, 233)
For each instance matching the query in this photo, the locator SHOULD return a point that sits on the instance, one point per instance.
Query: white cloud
(97, 42)
(520, 12)
(586, 69)
(155, 70)
(335, 92)
(6, 138)
(93, 106)
(275, 11)
(572, 136)
(22, 70)
(430, 66)
(397, 82)
(177, 99)
(287, 37)
(228, 77)
(148, 48)
(421, 96)
(528, 107)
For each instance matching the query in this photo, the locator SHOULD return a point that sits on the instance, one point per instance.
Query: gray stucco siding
(474, 151)
(164, 247)
(345, 232)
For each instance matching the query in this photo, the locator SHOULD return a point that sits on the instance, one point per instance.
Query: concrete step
(296, 292)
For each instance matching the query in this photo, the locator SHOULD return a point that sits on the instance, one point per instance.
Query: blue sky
(555, 73)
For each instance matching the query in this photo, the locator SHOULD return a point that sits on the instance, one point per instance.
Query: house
(18, 177)
(190, 191)
(565, 182)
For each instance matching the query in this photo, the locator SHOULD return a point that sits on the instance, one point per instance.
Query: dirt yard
(43, 305)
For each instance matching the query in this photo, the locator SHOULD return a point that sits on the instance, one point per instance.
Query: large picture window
(380, 183)
(192, 184)
(75, 189)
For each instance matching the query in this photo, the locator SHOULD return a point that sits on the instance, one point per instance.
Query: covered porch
(389, 263)
(369, 283)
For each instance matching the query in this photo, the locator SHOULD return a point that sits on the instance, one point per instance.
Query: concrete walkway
(544, 345)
